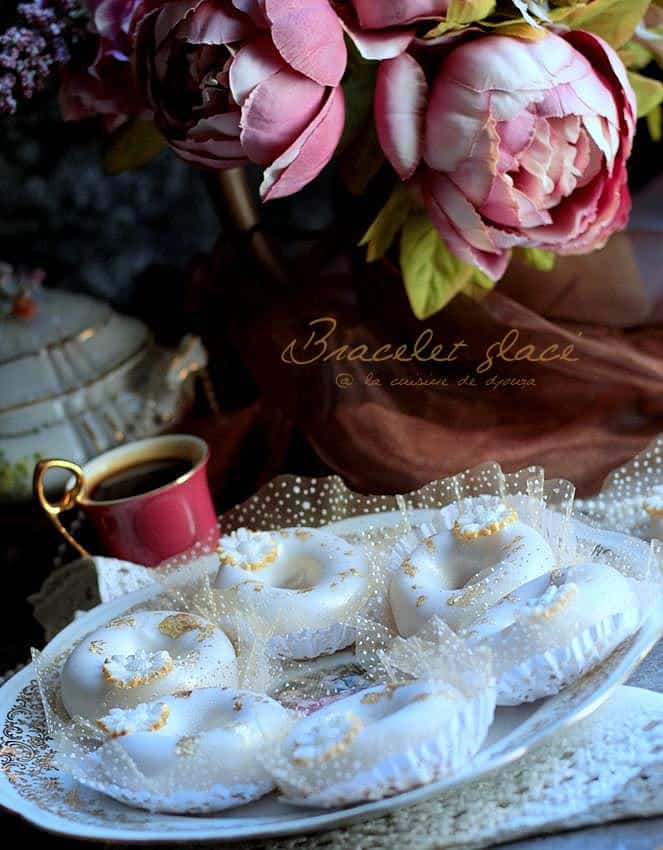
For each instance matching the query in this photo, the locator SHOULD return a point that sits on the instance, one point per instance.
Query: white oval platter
(32, 787)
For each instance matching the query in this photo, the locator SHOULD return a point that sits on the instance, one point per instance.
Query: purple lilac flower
(33, 49)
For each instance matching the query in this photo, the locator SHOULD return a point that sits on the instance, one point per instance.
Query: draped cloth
(580, 418)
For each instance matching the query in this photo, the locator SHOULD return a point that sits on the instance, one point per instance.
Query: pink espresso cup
(147, 528)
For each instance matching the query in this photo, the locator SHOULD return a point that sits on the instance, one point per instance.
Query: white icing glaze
(206, 755)
(458, 572)
(382, 741)
(556, 628)
(306, 583)
(144, 655)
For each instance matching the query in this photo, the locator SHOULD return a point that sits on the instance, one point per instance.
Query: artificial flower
(259, 80)
(106, 85)
(511, 142)
(377, 14)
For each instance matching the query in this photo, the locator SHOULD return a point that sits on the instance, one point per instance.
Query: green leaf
(132, 146)
(468, 11)
(361, 161)
(381, 234)
(655, 124)
(648, 92)
(521, 29)
(359, 150)
(613, 20)
(544, 261)
(431, 273)
(635, 55)
(359, 89)
(482, 280)
(460, 13)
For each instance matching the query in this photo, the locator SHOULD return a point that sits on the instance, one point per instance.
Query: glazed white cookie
(143, 655)
(382, 741)
(190, 753)
(556, 628)
(306, 583)
(457, 573)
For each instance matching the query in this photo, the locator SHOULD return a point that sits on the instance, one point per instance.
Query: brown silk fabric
(580, 419)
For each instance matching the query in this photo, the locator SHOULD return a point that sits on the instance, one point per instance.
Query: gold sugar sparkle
(122, 622)
(408, 568)
(654, 507)
(187, 746)
(337, 748)
(385, 693)
(176, 625)
(468, 594)
(513, 543)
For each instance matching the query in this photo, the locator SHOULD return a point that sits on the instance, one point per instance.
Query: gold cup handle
(68, 500)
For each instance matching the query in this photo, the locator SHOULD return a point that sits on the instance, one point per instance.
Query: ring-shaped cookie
(554, 629)
(458, 573)
(192, 752)
(143, 655)
(382, 741)
(306, 583)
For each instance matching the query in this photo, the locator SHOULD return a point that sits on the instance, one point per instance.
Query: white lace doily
(606, 768)
(81, 585)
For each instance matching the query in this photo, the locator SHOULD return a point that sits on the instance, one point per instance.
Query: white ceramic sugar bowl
(77, 378)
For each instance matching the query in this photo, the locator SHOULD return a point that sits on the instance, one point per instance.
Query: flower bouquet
(475, 130)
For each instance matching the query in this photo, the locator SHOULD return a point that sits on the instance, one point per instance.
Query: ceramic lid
(71, 341)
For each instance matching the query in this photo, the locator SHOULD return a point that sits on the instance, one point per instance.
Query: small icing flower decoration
(483, 518)
(146, 717)
(130, 671)
(248, 550)
(550, 603)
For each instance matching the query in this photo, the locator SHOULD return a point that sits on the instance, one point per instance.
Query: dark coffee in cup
(139, 478)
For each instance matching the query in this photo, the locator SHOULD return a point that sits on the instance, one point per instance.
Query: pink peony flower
(106, 86)
(231, 80)
(512, 142)
(377, 14)
(109, 93)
